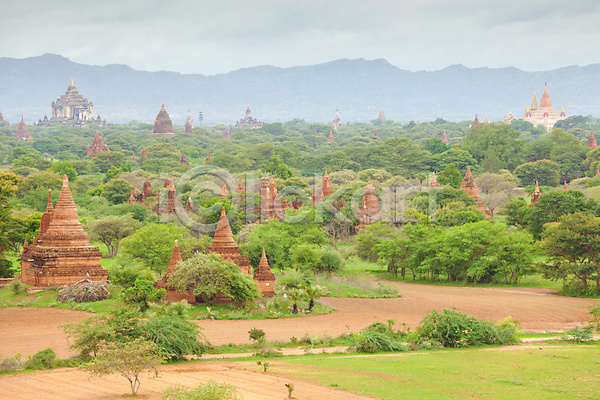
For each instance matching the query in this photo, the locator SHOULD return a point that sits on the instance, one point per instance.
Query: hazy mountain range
(358, 88)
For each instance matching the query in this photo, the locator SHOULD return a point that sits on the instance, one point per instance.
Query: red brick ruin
(22, 132)
(162, 124)
(61, 254)
(224, 245)
(591, 142)
(172, 295)
(470, 187)
(433, 183)
(264, 277)
(97, 146)
(536, 195)
(369, 210)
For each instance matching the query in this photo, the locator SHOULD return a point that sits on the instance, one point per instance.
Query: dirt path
(536, 309)
(27, 330)
(72, 384)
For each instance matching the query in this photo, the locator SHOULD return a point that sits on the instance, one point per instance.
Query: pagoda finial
(565, 187)
(71, 81)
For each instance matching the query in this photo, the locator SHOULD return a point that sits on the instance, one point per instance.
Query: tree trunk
(295, 309)
(403, 272)
(311, 304)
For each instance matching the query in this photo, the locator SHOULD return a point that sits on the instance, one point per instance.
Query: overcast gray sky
(211, 37)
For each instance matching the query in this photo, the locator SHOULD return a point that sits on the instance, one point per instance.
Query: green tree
(450, 176)
(460, 158)
(277, 168)
(545, 172)
(538, 150)
(142, 294)
(305, 256)
(495, 147)
(208, 276)
(111, 229)
(152, 245)
(127, 359)
(573, 244)
(117, 191)
(64, 168)
(551, 206)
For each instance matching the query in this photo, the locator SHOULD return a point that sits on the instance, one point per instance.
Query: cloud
(218, 36)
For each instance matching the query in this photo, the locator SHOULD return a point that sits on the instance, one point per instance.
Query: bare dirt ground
(27, 330)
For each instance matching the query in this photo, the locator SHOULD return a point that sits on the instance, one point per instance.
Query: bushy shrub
(42, 360)
(6, 270)
(142, 293)
(379, 337)
(126, 272)
(9, 365)
(330, 261)
(454, 329)
(210, 390)
(176, 337)
(16, 286)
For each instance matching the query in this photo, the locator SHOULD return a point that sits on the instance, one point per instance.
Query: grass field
(548, 372)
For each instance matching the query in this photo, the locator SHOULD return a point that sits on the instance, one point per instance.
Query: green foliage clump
(42, 360)
(175, 336)
(379, 337)
(454, 329)
(208, 276)
(210, 390)
(142, 294)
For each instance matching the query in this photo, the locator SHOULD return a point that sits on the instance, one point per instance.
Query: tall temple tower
(163, 126)
(543, 113)
(72, 109)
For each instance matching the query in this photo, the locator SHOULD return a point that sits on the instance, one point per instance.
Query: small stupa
(381, 116)
(162, 283)
(162, 124)
(224, 245)
(433, 183)
(535, 196)
(188, 125)
(183, 161)
(330, 137)
(264, 277)
(470, 187)
(369, 210)
(97, 146)
(22, 132)
(143, 152)
(445, 138)
(337, 122)
(591, 142)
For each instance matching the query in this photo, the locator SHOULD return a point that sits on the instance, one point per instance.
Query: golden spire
(71, 81)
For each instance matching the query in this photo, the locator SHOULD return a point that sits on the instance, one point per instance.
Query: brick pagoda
(172, 295)
(162, 124)
(224, 245)
(97, 146)
(264, 277)
(22, 132)
(468, 185)
(369, 210)
(62, 253)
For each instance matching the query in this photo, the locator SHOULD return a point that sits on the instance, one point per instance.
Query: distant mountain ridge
(357, 88)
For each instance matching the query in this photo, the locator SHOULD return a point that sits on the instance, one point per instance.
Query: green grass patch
(274, 308)
(554, 372)
(360, 286)
(47, 298)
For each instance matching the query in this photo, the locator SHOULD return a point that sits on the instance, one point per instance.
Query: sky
(218, 36)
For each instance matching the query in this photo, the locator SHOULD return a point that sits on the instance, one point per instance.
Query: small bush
(84, 291)
(595, 311)
(454, 329)
(142, 293)
(329, 262)
(379, 337)
(9, 365)
(42, 360)
(578, 335)
(16, 286)
(258, 335)
(210, 390)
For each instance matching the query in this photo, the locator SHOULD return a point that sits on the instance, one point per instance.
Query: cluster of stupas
(543, 113)
(223, 245)
(61, 253)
